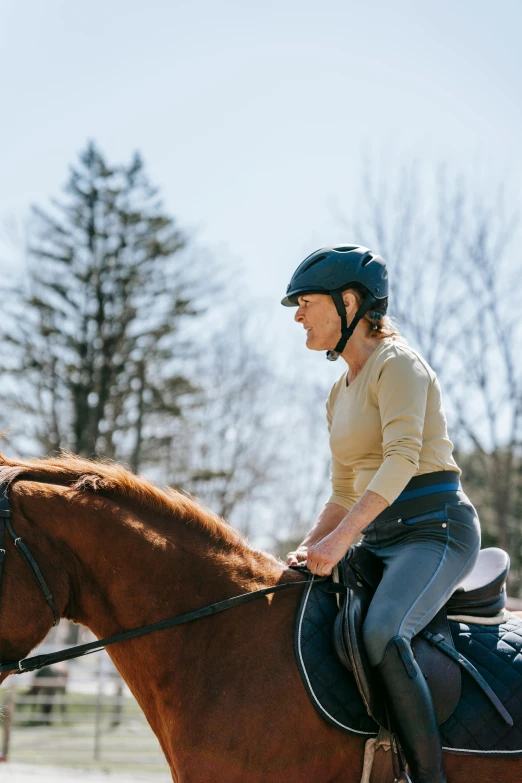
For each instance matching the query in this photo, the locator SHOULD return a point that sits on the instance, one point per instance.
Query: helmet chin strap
(346, 331)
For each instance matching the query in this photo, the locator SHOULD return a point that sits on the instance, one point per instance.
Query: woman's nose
(299, 315)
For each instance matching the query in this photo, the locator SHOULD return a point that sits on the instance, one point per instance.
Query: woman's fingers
(294, 558)
(321, 570)
(320, 566)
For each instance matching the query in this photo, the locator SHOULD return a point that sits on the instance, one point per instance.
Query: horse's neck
(136, 568)
(134, 571)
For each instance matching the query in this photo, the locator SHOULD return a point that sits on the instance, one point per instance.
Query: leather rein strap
(38, 661)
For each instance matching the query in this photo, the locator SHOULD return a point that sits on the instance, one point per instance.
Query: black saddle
(481, 594)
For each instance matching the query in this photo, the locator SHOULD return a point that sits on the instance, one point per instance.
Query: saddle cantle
(483, 593)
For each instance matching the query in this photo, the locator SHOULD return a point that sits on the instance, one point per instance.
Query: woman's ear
(350, 302)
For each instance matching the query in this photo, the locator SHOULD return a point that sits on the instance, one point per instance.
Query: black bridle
(5, 522)
(39, 661)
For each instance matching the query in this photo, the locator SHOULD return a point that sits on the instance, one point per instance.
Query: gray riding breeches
(426, 553)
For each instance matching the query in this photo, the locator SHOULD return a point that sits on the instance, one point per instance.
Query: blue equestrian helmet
(331, 270)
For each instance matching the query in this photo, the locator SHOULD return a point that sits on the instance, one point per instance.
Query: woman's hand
(324, 556)
(298, 556)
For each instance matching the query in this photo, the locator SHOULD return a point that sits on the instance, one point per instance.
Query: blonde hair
(377, 327)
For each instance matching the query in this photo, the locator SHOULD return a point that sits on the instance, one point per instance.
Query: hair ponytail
(379, 325)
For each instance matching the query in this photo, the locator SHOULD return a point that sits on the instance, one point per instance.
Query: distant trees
(95, 342)
(227, 452)
(305, 476)
(109, 347)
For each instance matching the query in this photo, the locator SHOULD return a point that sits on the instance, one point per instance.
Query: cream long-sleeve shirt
(387, 426)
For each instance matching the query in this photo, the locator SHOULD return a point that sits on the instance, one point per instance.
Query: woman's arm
(326, 553)
(327, 521)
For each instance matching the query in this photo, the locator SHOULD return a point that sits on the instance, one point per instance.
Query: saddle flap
(359, 572)
(352, 616)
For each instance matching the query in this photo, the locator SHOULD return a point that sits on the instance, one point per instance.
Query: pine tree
(97, 346)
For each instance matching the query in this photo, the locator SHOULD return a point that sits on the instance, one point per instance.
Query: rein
(39, 661)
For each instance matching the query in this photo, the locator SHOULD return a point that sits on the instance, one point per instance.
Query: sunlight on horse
(223, 695)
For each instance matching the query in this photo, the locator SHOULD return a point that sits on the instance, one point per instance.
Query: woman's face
(318, 315)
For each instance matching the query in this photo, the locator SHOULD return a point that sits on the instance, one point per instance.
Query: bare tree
(489, 404)
(226, 449)
(305, 484)
(254, 446)
(455, 275)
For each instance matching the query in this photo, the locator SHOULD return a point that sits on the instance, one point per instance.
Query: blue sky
(253, 117)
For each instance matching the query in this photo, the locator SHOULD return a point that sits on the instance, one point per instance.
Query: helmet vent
(316, 261)
(367, 259)
(346, 249)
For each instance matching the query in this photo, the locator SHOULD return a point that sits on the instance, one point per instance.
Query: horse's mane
(115, 481)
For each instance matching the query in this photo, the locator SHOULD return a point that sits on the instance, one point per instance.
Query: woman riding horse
(394, 479)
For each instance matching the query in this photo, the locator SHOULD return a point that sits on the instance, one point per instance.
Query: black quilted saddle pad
(475, 726)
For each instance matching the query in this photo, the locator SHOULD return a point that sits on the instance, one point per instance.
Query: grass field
(29, 773)
(86, 731)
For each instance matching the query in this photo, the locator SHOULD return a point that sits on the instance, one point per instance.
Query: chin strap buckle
(332, 356)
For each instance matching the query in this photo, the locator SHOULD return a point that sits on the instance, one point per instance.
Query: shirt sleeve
(343, 491)
(342, 477)
(402, 389)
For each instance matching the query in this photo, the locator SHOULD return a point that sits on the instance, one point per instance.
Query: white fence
(76, 714)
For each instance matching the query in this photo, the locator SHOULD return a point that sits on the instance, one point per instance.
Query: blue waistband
(417, 493)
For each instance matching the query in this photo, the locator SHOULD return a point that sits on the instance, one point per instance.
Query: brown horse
(223, 694)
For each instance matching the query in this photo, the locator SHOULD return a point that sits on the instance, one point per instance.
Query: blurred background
(164, 168)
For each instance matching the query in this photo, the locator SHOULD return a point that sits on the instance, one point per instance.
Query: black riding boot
(412, 712)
